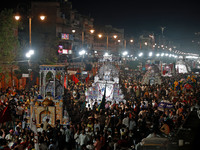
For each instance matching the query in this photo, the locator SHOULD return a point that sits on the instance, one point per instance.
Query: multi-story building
(55, 36)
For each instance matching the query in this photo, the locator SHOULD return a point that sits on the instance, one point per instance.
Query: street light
(92, 31)
(150, 54)
(100, 35)
(140, 54)
(158, 55)
(73, 31)
(17, 17)
(115, 36)
(125, 53)
(30, 53)
(106, 54)
(82, 52)
(42, 17)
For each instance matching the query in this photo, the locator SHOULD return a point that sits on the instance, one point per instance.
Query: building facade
(54, 35)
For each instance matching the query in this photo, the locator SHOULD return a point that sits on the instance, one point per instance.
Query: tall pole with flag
(102, 104)
(34, 129)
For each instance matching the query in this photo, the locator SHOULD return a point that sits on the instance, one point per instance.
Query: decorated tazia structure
(107, 80)
(50, 104)
(152, 76)
(52, 80)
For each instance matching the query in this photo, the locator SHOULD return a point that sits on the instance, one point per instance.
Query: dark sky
(181, 18)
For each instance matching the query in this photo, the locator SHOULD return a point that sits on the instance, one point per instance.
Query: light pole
(28, 55)
(107, 38)
(82, 53)
(30, 52)
(42, 17)
(83, 36)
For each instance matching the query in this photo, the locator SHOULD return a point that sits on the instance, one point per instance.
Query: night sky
(181, 18)
(137, 15)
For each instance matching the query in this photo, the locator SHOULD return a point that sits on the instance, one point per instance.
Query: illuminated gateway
(108, 76)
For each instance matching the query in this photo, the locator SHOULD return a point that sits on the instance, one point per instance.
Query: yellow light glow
(115, 36)
(100, 35)
(17, 17)
(92, 31)
(42, 17)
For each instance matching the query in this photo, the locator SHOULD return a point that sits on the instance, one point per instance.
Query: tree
(8, 37)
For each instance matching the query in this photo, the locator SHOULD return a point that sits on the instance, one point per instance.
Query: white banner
(71, 72)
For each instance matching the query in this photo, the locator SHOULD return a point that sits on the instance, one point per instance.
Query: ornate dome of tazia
(154, 69)
(108, 69)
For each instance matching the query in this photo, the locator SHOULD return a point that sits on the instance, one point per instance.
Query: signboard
(65, 36)
(64, 51)
(25, 75)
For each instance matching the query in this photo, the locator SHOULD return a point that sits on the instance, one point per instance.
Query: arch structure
(52, 80)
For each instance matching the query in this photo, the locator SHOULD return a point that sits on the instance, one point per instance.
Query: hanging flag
(34, 129)
(102, 104)
(75, 79)
(5, 115)
(65, 83)
(87, 79)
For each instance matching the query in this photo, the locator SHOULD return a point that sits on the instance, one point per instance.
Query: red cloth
(87, 79)
(75, 79)
(65, 79)
(5, 115)
(188, 86)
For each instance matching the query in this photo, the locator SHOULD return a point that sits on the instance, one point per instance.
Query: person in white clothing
(132, 124)
(125, 121)
(77, 140)
(83, 138)
(40, 129)
(68, 137)
(10, 136)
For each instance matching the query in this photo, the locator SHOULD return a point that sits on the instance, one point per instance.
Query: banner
(75, 79)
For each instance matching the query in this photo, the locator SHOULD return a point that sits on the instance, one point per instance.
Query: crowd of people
(116, 126)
